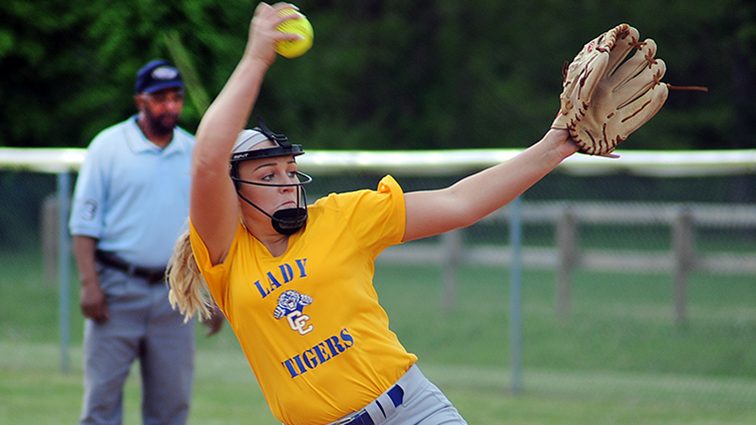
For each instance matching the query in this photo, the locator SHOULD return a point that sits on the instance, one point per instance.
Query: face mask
(285, 221)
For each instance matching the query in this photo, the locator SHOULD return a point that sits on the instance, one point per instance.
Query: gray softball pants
(416, 401)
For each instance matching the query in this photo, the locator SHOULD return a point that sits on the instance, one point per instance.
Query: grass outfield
(618, 360)
(32, 391)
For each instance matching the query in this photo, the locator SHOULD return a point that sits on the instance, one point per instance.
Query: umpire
(130, 203)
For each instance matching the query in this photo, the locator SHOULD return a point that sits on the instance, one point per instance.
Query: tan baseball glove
(606, 95)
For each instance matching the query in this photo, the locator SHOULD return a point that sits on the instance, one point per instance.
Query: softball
(301, 26)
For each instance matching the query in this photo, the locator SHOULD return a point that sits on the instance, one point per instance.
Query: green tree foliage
(388, 74)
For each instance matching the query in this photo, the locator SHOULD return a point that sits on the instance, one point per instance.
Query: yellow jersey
(309, 321)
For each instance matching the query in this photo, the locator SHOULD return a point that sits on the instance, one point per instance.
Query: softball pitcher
(296, 281)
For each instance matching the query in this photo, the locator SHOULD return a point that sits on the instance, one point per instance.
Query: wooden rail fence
(680, 260)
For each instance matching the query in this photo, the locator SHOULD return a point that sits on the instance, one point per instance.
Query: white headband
(247, 140)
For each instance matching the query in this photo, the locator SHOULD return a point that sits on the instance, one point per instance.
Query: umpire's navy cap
(157, 75)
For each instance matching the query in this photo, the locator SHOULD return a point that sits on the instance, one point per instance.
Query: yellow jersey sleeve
(377, 218)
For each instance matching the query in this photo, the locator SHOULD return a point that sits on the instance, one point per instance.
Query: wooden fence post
(452, 251)
(683, 247)
(566, 235)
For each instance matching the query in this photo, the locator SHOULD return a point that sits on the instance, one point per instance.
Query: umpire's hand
(214, 323)
(92, 302)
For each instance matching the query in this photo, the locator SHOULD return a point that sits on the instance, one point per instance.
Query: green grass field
(619, 359)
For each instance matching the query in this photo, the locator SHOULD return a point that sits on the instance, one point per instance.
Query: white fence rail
(446, 162)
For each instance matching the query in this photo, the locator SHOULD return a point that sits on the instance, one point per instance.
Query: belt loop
(396, 394)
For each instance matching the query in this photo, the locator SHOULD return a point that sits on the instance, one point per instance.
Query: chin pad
(289, 220)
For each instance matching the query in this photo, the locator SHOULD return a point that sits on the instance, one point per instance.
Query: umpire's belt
(151, 274)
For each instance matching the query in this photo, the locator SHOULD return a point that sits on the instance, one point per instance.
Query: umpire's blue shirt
(132, 195)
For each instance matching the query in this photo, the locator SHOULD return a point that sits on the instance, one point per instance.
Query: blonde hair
(188, 290)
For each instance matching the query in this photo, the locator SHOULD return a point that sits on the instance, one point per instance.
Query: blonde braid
(188, 290)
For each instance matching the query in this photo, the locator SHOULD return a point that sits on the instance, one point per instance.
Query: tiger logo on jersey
(290, 305)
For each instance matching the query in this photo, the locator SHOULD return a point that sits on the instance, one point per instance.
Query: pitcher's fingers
(286, 12)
